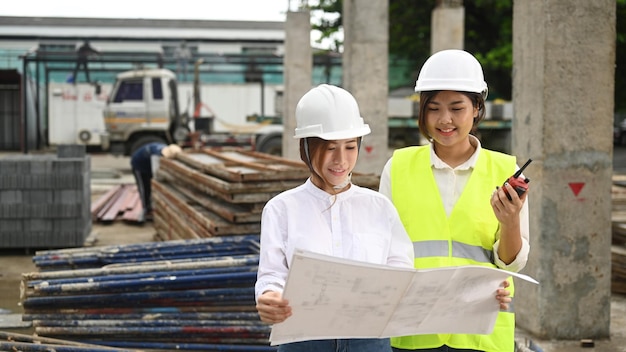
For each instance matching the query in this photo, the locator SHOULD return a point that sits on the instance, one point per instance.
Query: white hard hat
(330, 113)
(452, 69)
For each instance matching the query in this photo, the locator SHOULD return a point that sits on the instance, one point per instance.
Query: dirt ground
(108, 171)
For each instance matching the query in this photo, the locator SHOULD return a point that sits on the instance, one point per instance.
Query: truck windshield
(131, 90)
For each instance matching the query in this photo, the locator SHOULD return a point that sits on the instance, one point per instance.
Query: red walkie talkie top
(519, 184)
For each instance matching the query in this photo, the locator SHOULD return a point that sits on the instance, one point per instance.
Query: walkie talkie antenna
(519, 172)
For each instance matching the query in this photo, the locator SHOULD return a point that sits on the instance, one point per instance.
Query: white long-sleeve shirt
(451, 182)
(358, 224)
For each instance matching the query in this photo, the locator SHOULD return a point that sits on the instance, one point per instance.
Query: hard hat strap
(306, 151)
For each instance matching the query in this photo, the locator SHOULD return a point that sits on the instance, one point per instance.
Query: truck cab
(142, 108)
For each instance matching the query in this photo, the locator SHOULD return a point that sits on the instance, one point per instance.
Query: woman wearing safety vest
(327, 214)
(450, 194)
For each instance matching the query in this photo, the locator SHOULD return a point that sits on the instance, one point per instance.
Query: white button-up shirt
(358, 224)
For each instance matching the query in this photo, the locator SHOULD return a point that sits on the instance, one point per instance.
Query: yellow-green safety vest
(466, 237)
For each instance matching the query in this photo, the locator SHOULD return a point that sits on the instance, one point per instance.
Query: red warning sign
(576, 187)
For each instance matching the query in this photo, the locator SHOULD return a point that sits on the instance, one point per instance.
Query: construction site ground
(109, 171)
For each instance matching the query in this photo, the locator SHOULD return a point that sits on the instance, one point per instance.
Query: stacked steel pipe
(174, 295)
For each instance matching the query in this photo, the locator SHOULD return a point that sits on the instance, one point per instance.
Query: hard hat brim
(333, 136)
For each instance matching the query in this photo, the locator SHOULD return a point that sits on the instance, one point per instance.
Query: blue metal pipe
(221, 315)
(36, 347)
(132, 268)
(152, 284)
(213, 297)
(192, 347)
(147, 323)
(139, 276)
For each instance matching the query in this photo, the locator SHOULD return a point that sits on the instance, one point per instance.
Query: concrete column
(447, 26)
(563, 80)
(365, 74)
(298, 71)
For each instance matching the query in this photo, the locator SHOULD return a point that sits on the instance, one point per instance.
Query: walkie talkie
(519, 184)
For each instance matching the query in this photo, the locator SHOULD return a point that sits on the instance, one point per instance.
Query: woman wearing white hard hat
(327, 214)
(450, 194)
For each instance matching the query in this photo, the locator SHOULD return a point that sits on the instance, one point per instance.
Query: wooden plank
(223, 185)
(172, 176)
(618, 269)
(225, 228)
(236, 166)
(197, 214)
(174, 207)
(268, 167)
(164, 230)
(209, 221)
(236, 213)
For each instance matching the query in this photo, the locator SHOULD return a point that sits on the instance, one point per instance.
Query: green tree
(489, 36)
(327, 25)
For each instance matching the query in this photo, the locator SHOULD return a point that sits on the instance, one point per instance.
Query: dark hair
(425, 98)
(314, 146)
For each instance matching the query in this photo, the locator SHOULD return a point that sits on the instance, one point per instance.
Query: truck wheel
(181, 134)
(272, 145)
(139, 142)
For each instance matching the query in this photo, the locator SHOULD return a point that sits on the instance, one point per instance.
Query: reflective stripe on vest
(464, 237)
(440, 248)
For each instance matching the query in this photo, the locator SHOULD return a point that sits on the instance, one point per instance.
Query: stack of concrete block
(45, 200)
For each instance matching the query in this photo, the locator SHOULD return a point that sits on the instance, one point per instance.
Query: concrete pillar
(365, 74)
(447, 26)
(563, 80)
(298, 71)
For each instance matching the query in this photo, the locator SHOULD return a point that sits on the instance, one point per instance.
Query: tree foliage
(488, 35)
(328, 26)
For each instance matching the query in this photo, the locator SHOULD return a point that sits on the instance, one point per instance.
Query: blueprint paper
(334, 298)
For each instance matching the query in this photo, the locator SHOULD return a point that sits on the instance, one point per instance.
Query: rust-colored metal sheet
(121, 202)
(103, 201)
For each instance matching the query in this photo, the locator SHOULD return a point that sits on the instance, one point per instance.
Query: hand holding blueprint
(335, 298)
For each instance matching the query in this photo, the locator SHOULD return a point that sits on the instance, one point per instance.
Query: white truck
(147, 105)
